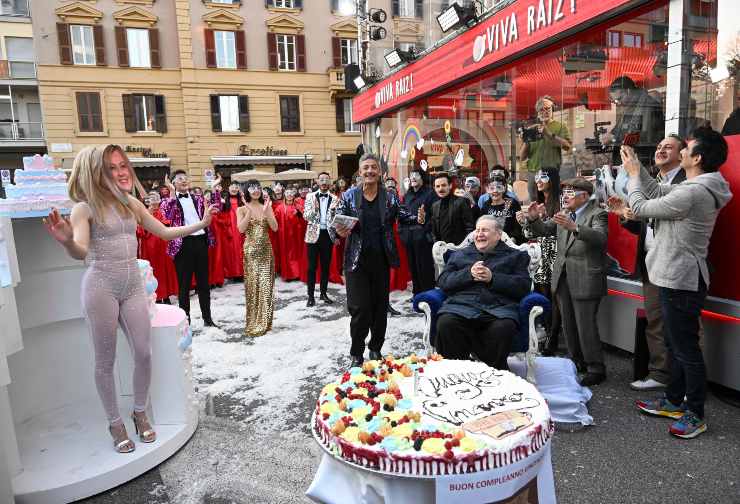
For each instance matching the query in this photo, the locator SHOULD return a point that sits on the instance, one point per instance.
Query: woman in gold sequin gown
(253, 219)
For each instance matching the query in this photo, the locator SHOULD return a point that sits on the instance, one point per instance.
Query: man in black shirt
(416, 235)
(452, 219)
(369, 253)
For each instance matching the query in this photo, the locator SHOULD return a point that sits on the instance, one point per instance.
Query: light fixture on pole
(397, 56)
(455, 16)
(378, 16)
(377, 33)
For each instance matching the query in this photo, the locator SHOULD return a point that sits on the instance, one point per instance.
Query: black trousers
(367, 302)
(421, 263)
(488, 338)
(193, 258)
(321, 250)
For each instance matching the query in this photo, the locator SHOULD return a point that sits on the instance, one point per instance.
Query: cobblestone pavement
(253, 443)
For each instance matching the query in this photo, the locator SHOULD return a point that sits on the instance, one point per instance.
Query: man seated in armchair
(484, 283)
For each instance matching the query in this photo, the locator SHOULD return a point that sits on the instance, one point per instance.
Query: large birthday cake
(38, 187)
(423, 417)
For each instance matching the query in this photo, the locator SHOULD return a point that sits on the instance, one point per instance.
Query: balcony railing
(14, 8)
(14, 131)
(17, 69)
(336, 79)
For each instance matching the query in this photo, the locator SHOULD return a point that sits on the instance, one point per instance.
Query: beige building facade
(188, 84)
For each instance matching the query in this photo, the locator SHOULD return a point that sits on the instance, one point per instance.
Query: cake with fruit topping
(423, 417)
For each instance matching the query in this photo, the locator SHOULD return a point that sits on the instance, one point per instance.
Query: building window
(225, 49)
(89, 112)
(349, 126)
(290, 114)
(285, 4)
(138, 47)
(406, 8)
(229, 2)
(613, 39)
(286, 52)
(21, 59)
(144, 113)
(631, 39)
(14, 8)
(83, 45)
(409, 47)
(349, 51)
(230, 113)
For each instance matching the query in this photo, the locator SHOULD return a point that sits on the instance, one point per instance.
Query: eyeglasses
(542, 177)
(254, 188)
(572, 193)
(324, 180)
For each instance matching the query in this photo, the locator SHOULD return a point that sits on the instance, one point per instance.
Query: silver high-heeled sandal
(144, 428)
(125, 445)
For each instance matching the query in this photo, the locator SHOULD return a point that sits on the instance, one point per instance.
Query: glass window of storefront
(604, 88)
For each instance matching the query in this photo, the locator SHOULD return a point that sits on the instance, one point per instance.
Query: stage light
(359, 82)
(377, 33)
(397, 56)
(378, 15)
(456, 15)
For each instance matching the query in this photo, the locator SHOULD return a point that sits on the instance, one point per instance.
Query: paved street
(253, 443)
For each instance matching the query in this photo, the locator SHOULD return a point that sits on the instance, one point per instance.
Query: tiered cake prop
(423, 417)
(38, 187)
(150, 284)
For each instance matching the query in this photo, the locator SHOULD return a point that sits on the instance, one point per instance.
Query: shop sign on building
(246, 150)
(515, 30)
(145, 152)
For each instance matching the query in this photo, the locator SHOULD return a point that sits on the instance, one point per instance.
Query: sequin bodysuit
(112, 294)
(259, 277)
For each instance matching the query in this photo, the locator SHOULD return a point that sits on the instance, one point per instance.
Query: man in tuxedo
(319, 210)
(452, 218)
(190, 253)
(579, 271)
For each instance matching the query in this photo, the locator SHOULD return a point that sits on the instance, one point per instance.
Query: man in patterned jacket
(191, 252)
(319, 210)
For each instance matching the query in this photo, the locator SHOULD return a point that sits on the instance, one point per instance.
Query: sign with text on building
(522, 26)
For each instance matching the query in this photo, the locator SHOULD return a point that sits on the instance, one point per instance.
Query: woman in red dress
(219, 227)
(291, 234)
(233, 249)
(154, 249)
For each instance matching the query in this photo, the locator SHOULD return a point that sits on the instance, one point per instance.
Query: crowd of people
(361, 234)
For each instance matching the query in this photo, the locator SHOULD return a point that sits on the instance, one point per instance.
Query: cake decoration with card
(424, 417)
(38, 188)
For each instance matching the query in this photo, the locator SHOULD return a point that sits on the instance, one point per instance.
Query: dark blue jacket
(407, 222)
(467, 298)
(351, 205)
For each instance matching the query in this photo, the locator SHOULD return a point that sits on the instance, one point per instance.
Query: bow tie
(186, 195)
(322, 195)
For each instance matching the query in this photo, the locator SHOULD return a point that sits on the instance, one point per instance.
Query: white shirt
(324, 206)
(650, 231)
(190, 216)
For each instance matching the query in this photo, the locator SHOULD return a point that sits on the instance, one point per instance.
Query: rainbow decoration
(411, 133)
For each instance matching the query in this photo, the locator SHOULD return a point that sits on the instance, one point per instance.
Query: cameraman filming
(543, 143)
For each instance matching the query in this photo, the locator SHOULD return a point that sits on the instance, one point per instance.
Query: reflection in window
(83, 46)
(225, 49)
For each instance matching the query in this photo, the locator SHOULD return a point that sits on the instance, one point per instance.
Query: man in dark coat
(369, 254)
(484, 282)
(452, 219)
(417, 237)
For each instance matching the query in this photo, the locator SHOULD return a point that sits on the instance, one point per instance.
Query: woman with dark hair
(233, 257)
(254, 219)
(547, 181)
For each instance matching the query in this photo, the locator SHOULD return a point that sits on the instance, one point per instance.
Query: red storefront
(677, 63)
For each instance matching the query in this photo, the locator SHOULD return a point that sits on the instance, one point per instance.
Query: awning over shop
(261, 160)
(295, 174)
(140, 162)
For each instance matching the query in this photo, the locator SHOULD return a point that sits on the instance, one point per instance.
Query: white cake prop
(38, 188)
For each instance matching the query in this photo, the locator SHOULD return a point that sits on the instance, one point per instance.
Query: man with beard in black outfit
(452, 219)
(416, 234)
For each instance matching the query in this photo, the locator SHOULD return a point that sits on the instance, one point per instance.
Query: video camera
(529, 132)
(594, 144)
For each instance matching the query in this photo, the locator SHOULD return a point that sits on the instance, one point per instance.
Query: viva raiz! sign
(521, 26)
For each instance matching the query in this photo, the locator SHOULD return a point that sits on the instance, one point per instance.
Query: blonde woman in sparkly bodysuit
(253, 219)
(102, 231)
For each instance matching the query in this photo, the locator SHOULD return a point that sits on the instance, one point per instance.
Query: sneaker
(688, 426)
(648, 384)
(661, 407)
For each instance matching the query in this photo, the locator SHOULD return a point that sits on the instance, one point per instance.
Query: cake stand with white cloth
(54, 444)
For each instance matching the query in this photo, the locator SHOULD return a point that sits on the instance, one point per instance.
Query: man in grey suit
(579, 271)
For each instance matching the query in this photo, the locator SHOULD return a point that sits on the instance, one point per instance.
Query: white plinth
(53, 427)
